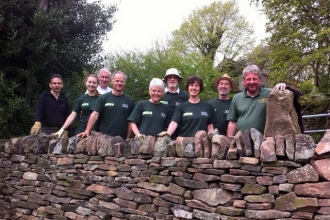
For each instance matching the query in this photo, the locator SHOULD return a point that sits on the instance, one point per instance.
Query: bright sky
(142, 22)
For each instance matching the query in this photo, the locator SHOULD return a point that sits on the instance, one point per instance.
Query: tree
(141, 67)
(41, 37)
(300, 39)
(217, 28)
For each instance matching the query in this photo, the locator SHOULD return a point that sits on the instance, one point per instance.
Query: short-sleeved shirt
(114, 112)
(150, 118)
(172, 100)
(221, 108)
(101, 90)
(193, 117)
(249, 112)
(83, 107)
(52, 112)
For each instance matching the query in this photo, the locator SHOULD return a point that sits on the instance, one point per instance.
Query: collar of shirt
(177, 91)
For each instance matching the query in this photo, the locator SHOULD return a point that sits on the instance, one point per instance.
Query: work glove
(162, 134)
(35, 128)
(140, 136)
(58, 134)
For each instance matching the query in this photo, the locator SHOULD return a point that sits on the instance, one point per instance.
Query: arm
(171, 128)
(91, 122)
(67, 123)
(210, 128)
(231, 129)
(135, 128)
(69, 120)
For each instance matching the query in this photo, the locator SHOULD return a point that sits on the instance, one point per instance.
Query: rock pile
(241, 177)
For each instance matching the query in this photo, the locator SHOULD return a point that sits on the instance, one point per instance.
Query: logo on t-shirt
(124, 105)
(85, 104)
(226, 111)
(187, 114)
(163, 115)
(109, 104)
(147, 113)
(263, 100)
(177, 103)
(204, 113)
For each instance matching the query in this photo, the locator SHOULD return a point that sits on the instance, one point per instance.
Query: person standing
(114, 108)
(150, 116)
(82, 107)
(52, 108)
(223, 84)
(193, 115)
(104, 80)
(173, 96)
(248, 108)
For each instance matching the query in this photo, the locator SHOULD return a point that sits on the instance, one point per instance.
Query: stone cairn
(208, 176)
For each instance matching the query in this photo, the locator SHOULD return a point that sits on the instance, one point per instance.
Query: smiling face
(252, 83)
(156, 94)
(172, 81)
(224, 87)
(91, 83)
(194, 89)
(118, 82)
(104, 78)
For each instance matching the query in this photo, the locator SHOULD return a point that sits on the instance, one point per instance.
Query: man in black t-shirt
(223, 84)
(173, 96)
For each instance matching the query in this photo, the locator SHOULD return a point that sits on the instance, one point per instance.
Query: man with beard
(248, 108)
(223, 84)
(173, 96)
(114, 108)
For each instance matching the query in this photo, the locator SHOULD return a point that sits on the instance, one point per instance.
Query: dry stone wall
(205, 177)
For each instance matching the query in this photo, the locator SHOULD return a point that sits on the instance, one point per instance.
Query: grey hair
(119, 72)
(105, 70)
(252, 69)
(157, 82)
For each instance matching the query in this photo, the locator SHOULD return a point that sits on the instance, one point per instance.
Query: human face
(91, 84)
(252, 83)
(118, 82)
(194, 89)
(56, 85)
(172, 81)
(224, 87)
(104, 79)
(156, 94)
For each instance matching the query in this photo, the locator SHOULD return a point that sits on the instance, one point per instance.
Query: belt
(55, 128)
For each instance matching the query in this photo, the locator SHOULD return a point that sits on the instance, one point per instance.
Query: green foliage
(41, 37)
(141, 67)
(217, 28)
(324, 84)
(299, 41)
(307, 86)
(15, 113)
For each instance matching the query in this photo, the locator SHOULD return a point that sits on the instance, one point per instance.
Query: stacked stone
(205, 177)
